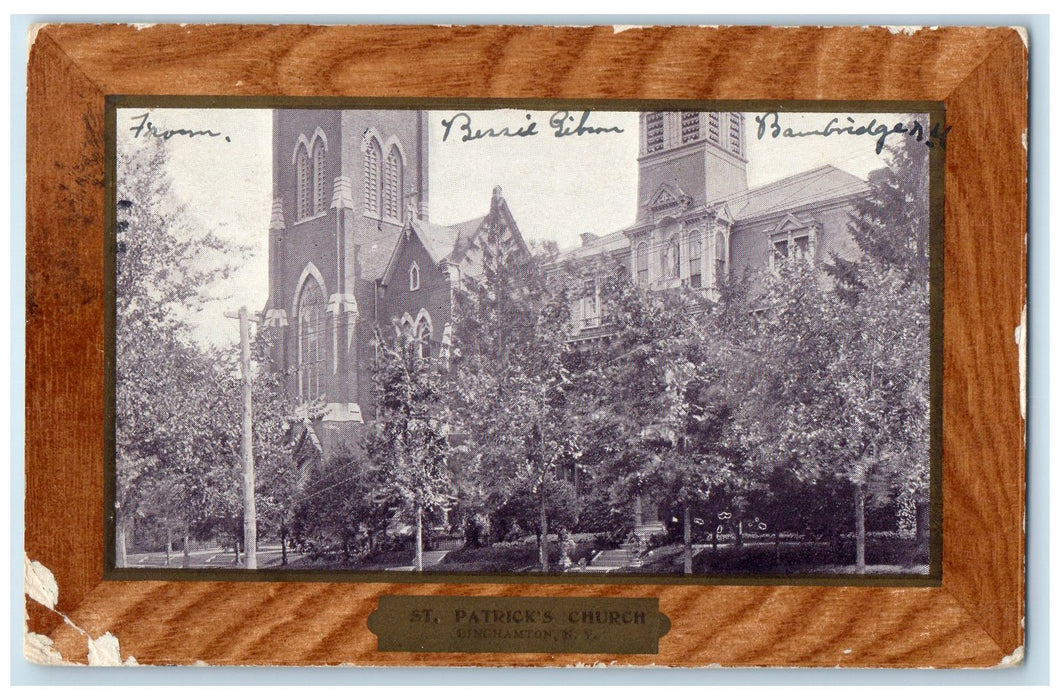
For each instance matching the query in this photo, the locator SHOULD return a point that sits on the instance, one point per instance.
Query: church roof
(437, 239)
(821, 184)
(466, 231)
(375, 251)
(609, 243)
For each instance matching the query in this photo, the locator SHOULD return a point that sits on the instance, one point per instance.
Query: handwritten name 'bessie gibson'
(562, 123)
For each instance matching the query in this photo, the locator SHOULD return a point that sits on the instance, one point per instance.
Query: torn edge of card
(40, 585)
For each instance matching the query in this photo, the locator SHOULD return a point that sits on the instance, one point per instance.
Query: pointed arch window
(414, 277)
(303, 183)
(424, 332)
(312, 337)
(320, 176)
(642, 263)
(373, 156)
(393, 184)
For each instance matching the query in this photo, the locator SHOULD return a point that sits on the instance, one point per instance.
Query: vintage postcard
(689, 343)
(645, 363)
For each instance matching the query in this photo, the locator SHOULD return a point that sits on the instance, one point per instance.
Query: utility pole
(250, 517)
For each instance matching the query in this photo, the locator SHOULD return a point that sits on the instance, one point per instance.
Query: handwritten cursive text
(143, 127)
(769, 124)
(562, 123)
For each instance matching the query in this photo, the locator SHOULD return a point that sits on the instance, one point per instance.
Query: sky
(556, 188)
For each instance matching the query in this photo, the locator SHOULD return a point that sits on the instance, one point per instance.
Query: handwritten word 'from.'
(769, 124)
(143, 127)
(562, 123)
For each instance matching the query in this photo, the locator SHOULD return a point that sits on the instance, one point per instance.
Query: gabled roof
(821, 184)
(456, 243)
(438, 240)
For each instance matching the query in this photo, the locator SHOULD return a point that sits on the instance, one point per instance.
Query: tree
(666, 386)
(164, 382)
(846, 388)
(510, 385)
(884, 361)
(409, 441)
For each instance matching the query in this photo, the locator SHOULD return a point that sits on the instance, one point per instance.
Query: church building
(697, 221)
(352, 249)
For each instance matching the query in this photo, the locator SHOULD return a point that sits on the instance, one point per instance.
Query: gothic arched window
(312, 336)
(373, 157)
(320, 175)
(642, 263)
(303, 184)
(392, 184)
(414, 277)
(423, 336)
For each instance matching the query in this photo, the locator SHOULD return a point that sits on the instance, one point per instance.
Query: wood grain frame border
(974, 619)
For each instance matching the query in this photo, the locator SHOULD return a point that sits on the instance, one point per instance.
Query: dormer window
(414, 277)
(792, 243)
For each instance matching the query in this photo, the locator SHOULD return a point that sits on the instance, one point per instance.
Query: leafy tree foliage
(409, 440)
(510, 387)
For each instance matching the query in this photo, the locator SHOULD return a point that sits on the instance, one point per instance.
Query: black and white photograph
(525, 341)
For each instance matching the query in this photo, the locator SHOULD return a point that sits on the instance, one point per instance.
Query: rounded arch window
(670, 259)
(642, 263)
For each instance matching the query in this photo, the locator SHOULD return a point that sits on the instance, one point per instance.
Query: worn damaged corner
(31, 35)
(40, 649)
(105, 651)
(1013, 660)
(1024, 36)
(40, 585)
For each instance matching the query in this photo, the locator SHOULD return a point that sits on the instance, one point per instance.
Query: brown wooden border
(974, 619)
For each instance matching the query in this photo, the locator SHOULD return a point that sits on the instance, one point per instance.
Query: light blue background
(1035, 670)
